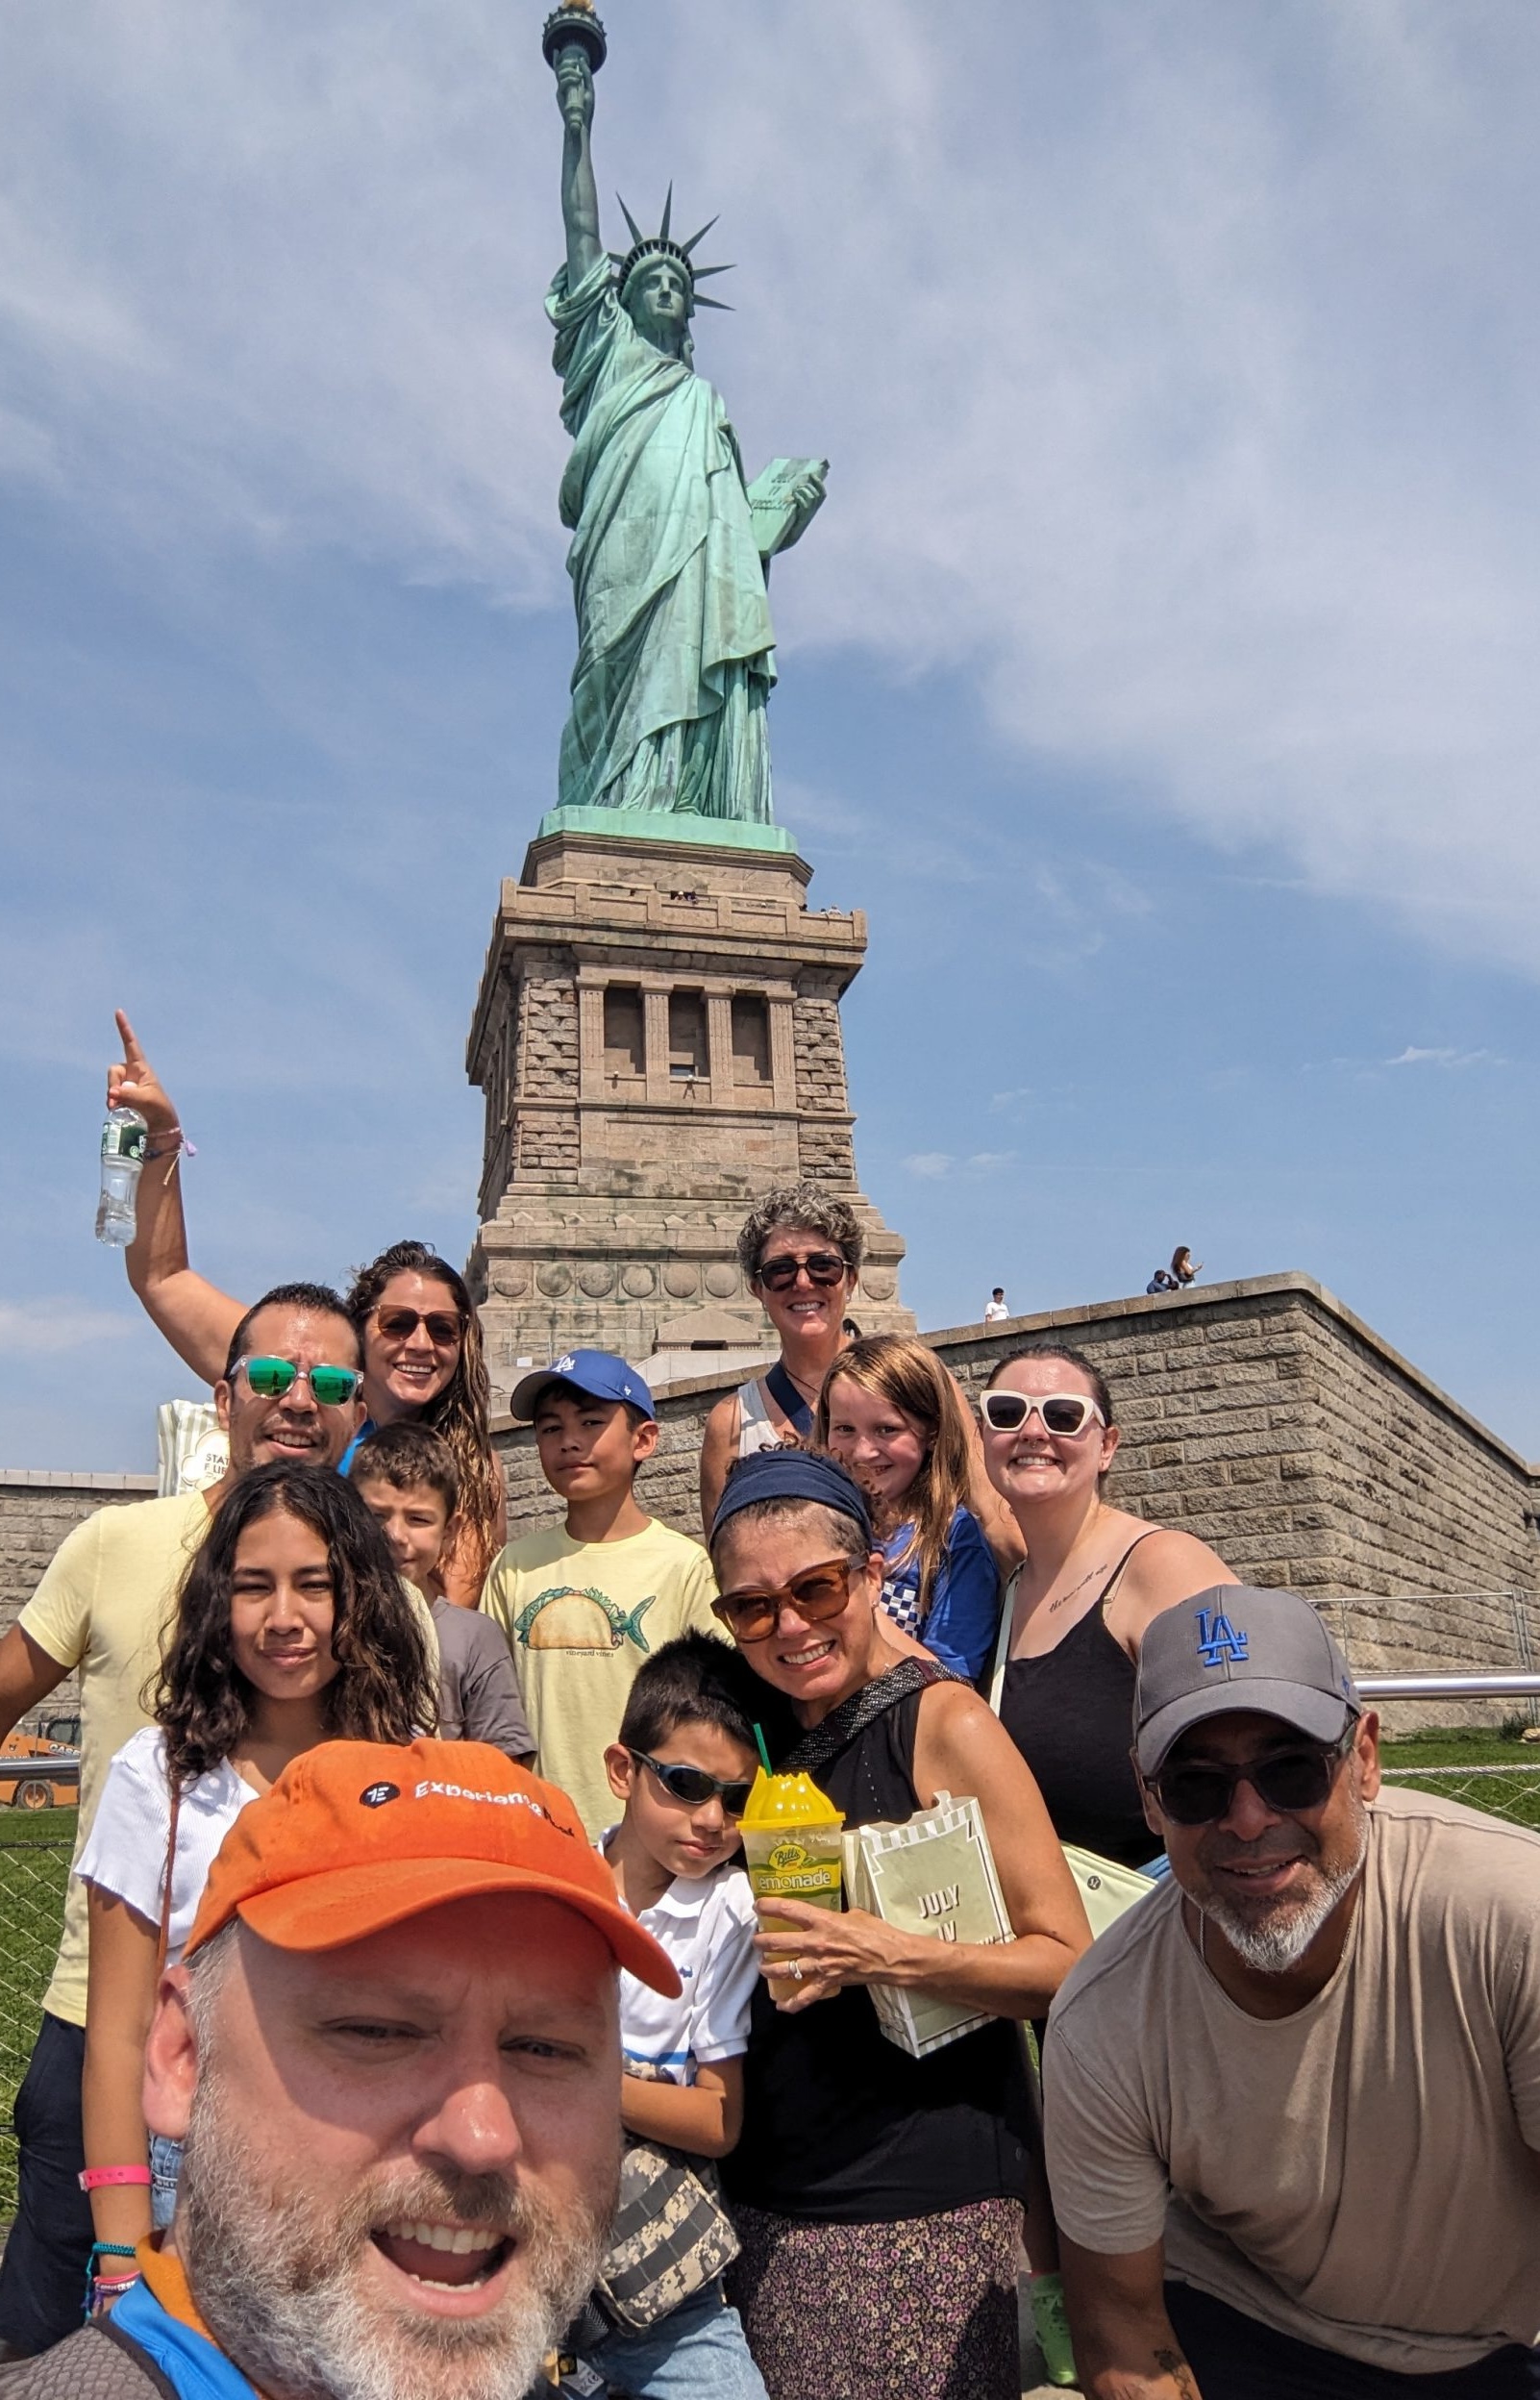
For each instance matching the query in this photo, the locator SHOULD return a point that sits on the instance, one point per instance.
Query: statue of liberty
(670, 546)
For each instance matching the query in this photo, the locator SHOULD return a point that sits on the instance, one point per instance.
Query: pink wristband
(92, 2177)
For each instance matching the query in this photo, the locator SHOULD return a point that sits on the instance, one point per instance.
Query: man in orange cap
(391, 2052)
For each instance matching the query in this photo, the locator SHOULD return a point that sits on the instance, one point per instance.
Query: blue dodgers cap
(788, 1474)
(597, 1372)
(1235, 1648)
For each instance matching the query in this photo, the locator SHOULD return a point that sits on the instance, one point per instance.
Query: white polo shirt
(706, 1924)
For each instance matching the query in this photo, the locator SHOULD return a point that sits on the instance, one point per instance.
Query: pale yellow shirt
(580, 1618)
(1364, 2174)
(107, 1596)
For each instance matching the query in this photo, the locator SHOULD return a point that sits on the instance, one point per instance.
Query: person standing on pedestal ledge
(670, 545)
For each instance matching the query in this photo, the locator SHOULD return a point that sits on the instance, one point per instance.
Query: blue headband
(792, 1475)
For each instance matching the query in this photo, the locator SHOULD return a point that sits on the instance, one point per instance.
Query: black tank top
(1070, 1714)
(839, 2125)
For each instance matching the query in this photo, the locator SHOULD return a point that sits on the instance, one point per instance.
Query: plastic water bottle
(123, 1138)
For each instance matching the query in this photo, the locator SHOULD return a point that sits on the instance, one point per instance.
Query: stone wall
(37, 1509)
(1263, 1416)
(1267, 1419)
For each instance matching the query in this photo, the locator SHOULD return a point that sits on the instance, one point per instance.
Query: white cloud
(932, 1166)
(1175, 364)
(43, 1327)
(1412, 1057)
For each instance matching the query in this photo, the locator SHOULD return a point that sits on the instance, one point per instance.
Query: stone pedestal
(658, 1038)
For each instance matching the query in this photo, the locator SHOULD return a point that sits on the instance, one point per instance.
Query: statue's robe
(675, 651)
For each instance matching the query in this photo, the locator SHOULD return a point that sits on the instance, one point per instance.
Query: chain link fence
(33, 1872)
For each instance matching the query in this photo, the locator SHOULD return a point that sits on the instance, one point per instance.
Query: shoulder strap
(1007, 1613)
(1103, 1595)
(1008, 1616)
(788, 1399)
(842, 1725)
(164, 1943)
(134, 2358)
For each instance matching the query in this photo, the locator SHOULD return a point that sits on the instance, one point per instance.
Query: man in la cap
(1293, 2098)
(583, 1603)
(391, 2052)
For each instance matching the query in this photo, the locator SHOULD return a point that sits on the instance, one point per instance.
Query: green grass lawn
(1506, 1785)
(35, 1853)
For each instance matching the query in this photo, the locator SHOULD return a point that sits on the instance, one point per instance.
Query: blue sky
(1159, 676)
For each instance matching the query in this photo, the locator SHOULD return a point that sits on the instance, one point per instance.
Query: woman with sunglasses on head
(1076, 1609)
(877, 2196)
(418, 1328)
(801, 1254)
(292, 1627)
(891, 1413)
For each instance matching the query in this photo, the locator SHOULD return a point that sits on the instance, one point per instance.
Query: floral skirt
(920, 2309)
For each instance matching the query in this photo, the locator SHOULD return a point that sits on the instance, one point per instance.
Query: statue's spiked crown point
(662, 245)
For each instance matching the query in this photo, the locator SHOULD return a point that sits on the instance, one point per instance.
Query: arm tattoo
(1172, 2363)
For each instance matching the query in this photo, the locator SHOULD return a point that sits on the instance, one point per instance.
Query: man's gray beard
(1278, 1943)
(277, 2281)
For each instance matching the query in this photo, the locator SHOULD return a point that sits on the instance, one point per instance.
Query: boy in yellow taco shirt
(582, 1605)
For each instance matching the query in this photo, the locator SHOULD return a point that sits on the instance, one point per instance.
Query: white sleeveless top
(758, 1430)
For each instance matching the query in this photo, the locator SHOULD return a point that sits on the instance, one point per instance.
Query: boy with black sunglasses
(681, 1769)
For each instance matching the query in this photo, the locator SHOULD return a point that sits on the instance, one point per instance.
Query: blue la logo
(1218, 1639)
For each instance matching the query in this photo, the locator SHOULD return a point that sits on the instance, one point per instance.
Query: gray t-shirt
(479, 1696)
(1364, 2174)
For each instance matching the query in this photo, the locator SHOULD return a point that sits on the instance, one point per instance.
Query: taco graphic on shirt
(564, 1618)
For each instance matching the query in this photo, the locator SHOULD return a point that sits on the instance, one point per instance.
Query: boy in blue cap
(582, 1604)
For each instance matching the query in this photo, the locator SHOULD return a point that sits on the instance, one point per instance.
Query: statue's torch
(576, 24)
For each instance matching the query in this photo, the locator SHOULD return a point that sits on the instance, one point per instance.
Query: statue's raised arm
(580, 194)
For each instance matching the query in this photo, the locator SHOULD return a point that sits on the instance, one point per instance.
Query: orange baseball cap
(358, 1836)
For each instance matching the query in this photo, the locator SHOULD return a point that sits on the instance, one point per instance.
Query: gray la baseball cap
(1235, 1648)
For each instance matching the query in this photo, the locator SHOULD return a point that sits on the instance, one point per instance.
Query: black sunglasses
(694, 1787)
(822, 1266)
(1197, 1792)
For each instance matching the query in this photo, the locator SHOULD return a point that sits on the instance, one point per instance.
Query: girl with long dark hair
(292, 1627)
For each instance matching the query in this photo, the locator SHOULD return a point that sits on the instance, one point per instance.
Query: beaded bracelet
(100, 2285)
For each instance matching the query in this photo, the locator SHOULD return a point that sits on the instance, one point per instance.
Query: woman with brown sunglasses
(879, 2196)
(418, 1329)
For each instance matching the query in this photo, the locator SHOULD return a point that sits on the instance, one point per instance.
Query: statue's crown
(660, 246)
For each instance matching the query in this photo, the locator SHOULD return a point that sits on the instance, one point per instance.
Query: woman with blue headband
(878, 2197)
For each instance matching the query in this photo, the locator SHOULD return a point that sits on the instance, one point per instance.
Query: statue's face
(657, 302)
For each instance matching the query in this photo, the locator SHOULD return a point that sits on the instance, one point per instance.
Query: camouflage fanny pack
(671, 2235)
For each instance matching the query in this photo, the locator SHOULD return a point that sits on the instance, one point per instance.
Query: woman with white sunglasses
(1076, 1611)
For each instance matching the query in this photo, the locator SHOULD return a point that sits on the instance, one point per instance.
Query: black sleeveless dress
(1070, 1714)
(839, 2125)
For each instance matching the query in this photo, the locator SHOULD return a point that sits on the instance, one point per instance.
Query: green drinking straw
(764, 1752)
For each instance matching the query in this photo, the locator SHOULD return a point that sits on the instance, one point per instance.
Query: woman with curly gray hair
(801, 1251)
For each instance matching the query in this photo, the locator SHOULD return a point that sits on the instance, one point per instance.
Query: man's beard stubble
(1275, 1944)
(276, 2283)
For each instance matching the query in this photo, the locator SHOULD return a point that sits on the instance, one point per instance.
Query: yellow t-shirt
(107, 1596)
(580, 1618)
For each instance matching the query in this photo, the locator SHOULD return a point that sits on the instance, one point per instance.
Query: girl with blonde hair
(890, 1412)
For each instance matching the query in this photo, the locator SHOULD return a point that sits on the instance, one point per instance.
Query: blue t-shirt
(368, 1428)
(964, 1614)
(191, 2365)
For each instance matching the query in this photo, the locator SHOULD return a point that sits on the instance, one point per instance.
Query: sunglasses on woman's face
(817, 1593)
(270, 1378)
(694, 1787)
(1062, 1413)
(1197, 1791)
(400, 1324)
(825, 1267)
